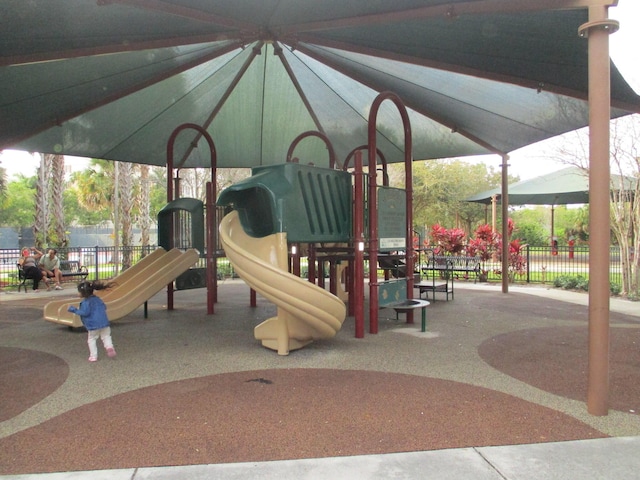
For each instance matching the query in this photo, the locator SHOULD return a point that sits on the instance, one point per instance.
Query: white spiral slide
(131, 288)
(305, 311)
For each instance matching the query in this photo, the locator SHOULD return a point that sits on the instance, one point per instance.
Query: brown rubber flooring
(299, 411)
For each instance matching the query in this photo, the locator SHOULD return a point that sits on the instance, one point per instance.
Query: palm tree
(144, 204)
(41, 224)
(56, 203)
(95, 186)
(125, 177)
(3, 182)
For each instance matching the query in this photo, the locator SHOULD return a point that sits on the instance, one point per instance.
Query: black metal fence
(543, 264)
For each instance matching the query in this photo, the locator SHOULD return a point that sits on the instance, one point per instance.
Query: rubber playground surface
(191, 388)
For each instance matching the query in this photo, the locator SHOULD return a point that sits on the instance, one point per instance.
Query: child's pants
(105, 336)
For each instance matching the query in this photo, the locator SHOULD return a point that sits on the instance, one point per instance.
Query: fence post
(96, 262)
(528, 264)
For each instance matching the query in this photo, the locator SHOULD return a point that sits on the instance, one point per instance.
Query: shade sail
(113, 78)
(564, 187)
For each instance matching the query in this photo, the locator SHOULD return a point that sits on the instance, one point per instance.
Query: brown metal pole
(505, 224)
(373, 206)
(597, 31)
(494, 212)
(169, 200)
(357, 294)
(553, 220)
(211, 249)
(212, 240)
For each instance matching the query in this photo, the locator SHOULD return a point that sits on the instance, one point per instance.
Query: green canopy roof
(113, 78)
(567, 186)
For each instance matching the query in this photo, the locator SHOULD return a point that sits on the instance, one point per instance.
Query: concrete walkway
(610, 459)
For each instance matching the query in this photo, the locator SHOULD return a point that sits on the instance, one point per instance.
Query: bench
(455, 264)
(22, 278)
(442, 269)
(393, 264)
(68, 268)
(393, 294)
(73, 269)
(438, 279)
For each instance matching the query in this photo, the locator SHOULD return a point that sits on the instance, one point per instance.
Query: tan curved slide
(305, 311)
(132, 288)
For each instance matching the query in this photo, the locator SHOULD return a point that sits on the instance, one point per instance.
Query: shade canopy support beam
(597, 31)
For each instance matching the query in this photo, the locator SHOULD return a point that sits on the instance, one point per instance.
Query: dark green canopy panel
(113, 78)
(564, 187)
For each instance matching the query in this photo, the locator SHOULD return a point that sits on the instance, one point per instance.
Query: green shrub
(564, 281)
(615, 288)
(634, 297)
(568, 282)
(579, 282)
(582, 283)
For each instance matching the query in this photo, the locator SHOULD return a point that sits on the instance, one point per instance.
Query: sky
(527, 162)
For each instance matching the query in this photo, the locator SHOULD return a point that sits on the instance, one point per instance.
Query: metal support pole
(505, 224)
(358, 255)
(597, 31)
(211, 249)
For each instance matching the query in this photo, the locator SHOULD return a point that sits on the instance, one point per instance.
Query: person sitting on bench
(50, 266)
(29, 263)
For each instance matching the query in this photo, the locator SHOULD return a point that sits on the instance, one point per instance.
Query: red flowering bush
(447, 242)
(517, 263)
(485, 244)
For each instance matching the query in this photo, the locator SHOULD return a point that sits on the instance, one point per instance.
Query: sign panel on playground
(392, 214)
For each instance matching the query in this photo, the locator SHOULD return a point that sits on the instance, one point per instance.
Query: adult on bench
(29, 265)
(50, 266)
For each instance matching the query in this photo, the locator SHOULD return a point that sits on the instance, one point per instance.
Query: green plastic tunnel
(310, 204)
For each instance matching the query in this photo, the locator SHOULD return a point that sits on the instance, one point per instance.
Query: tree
(144, 219)
(3, 183)
(57, 234)
(19, 202)
(625, 190)
(94, 187)
(440, 189)
(534, 225)
(41, 223)
(226, 177)
(86, 199)
(625, 199)
(127, 197)
(157, 191)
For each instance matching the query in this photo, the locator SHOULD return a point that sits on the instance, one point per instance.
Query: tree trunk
(56, 189)
(126, 208)
(144, 207)
(41, 224)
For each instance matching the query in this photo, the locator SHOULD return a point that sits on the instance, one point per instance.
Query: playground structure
(131, 288)
(304, 311)
(180, 235)
(278, 205)
(279, 211)
(280, 208)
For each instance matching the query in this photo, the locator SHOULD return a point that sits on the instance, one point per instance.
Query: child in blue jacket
(93, 313)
